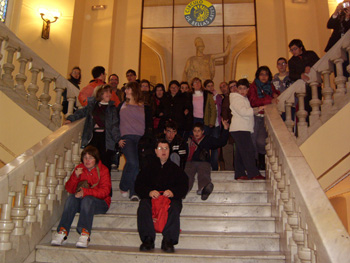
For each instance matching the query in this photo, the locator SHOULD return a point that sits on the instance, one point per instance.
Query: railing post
(61, 175)
(57, 107)
(45, 97)
(42, 191)
(31, 201)
(19, 212)
(2, 38)
(21, 77)
(8, 67)
(71, 101)
(327, 93)
(33, 87)
(289, 122)
(51, 181)
(339, 80)
(314, 103)
(302, 114)
(6, 224)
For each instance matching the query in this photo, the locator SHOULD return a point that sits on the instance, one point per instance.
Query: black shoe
(147, 245)
(261, 162)
(207, 191)
(167, 246)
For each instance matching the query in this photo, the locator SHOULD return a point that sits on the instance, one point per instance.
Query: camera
(346, 4)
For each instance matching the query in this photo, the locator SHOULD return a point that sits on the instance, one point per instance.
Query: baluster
(339, 80)
(2, 38)
(75, 153)
(33, 87)
(31, 201)
(68, 163)
(314, 103)
(301, 114)
(71, 101)
(6, 224)
(57, 107)
(19, 212)
(60, 174)
(327, 93)
(21, 77)
(51, 180)
(289, 121)
(45, 97)
(42, 191)
(8, 67)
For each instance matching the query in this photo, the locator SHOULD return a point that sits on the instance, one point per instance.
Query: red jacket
(254, 99)
(100, 191)
(88, 91)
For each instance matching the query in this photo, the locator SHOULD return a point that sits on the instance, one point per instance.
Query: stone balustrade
(334, 97)
(32, 191)
(24, 74)
(309, 226)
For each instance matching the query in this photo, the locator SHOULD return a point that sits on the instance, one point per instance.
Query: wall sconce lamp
(48, 18)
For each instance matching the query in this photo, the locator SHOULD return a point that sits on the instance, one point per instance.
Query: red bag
(160, 208)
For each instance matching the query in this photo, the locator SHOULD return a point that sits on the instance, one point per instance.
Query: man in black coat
(161, 176)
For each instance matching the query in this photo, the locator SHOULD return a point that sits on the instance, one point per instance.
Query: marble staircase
(234, 225)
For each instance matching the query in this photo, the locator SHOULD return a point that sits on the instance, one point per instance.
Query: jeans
(214, 158)
(87, 207)
(131, 168)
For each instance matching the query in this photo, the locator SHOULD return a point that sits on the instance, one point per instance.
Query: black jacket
(161, 178)
(340, 27)
(298, 64)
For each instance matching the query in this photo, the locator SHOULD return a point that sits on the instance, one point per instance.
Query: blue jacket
(111, 127)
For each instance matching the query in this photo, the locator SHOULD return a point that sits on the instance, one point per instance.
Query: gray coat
(111, 127)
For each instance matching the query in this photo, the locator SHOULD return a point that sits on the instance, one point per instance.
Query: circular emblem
(200, 13)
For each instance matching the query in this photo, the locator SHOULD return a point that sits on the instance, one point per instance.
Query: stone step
(218, 197)
(222, 186)
(192, 223)
(216, 176)
(96, 253)
(202, 209)
(192, 240)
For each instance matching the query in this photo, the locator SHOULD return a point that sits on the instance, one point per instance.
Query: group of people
(167, 137)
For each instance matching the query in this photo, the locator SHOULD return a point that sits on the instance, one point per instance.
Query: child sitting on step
(89, 187)
(198, 160)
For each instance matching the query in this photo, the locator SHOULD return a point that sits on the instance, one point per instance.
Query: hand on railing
(66, 122)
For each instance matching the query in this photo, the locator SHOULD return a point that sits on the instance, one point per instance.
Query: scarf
(263, 88)
(193, 147)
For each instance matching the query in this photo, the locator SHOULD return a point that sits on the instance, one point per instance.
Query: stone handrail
(333, 98)
(28, 65)
(32, 191)
(309, 226)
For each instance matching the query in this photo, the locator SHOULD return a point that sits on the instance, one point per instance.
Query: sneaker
(124, 194)
(60, 238)
(134, 198)
(83, 240)
(207, 190)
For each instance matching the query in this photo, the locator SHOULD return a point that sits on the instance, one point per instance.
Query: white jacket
(242, 113)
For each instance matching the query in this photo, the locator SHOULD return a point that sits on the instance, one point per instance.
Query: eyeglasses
(282, 64)
(162, 148)
(293, 49)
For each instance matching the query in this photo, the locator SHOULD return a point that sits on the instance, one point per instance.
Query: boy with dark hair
(99, 75)
(198, 160)
(178, 151)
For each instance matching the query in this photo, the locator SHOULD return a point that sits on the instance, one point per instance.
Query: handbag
(160, 208)
(85, 184)
(204, 155)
